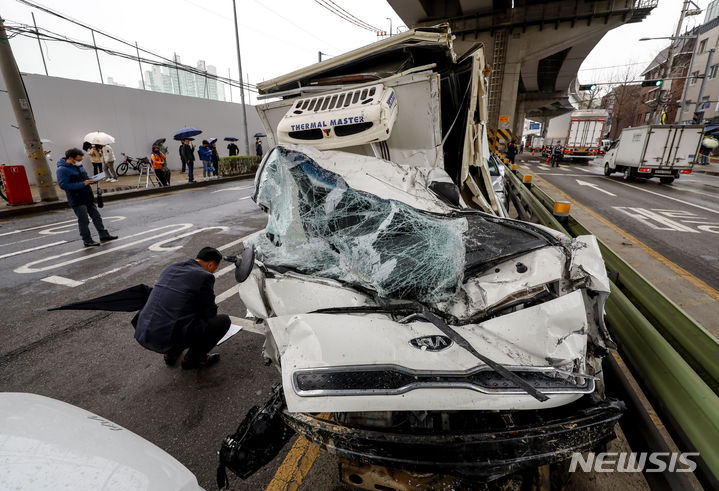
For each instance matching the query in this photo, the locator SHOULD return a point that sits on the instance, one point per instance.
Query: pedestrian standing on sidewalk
(512, 151)
(258, 147)
(233, 149)
(187, 154)
(215, 159)
(158, 164)
(205, 153)
(108, 160)
(72, 178)
(95, 154)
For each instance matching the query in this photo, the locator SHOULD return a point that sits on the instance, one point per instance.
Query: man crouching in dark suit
(181, 313)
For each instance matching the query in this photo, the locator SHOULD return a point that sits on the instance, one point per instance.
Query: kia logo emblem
(431, 343)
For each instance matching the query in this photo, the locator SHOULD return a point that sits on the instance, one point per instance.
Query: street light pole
(390, 26)
(25, 119)
(242, 87)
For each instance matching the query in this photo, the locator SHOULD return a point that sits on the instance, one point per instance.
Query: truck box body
(537, 143)
(586, 128)
(659, 146)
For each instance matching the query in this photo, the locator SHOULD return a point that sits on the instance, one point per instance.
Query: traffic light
(652, 83)
(698, 117)
(588, 87)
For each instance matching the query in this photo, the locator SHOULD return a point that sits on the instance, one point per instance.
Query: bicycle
(135, 163)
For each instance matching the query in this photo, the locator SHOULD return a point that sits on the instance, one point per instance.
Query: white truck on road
(586, 128)
(663, 151)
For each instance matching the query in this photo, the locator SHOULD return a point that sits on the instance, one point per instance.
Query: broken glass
(317, 224)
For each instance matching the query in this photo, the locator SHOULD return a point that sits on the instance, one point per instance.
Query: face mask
(79, 164)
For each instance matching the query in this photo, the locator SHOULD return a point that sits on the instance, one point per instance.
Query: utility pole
(97, 56)
(142, 77)
(242, 87)
(670, 61)
(25, 119)
(37, 33)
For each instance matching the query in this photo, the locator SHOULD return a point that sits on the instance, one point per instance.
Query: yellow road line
(671, 265)
(297, 464)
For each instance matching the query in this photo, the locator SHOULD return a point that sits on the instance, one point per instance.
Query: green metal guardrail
(697, 346)
(684, 400)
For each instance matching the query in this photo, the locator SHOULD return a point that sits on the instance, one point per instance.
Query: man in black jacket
(181, 313)
(187, 155)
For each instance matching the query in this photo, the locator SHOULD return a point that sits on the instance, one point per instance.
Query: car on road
(49, 444)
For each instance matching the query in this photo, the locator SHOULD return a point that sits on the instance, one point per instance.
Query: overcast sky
(276, 36)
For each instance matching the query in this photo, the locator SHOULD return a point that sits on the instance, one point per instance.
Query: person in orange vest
(158, 164)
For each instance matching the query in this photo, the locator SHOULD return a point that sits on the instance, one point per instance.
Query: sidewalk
(712, 168)
(125, 187)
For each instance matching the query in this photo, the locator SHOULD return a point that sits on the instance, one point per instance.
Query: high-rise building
(181, 82)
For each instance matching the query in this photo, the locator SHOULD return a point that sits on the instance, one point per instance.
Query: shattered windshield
(319, 225)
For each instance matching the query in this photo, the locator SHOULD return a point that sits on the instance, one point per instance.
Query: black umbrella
(231, 138)
(259, 135)
(159, 141)
(186, 133)
(128, 300)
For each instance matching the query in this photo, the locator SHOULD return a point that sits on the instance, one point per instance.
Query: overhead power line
(170, 63)
(20, 29)
(343, 14)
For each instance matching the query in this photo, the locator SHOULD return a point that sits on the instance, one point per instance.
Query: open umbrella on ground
(259, 135)
(127, 300)
(98, 138)
(231, 138)
(186, 133)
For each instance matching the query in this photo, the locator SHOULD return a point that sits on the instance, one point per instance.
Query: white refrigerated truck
(663, 151)
(586, 129)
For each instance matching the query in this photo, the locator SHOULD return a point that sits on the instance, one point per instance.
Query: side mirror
(244, 264)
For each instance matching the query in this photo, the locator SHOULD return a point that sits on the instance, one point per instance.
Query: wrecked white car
(449, 340)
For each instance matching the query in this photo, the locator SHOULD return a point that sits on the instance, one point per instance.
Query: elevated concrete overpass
(534, 47)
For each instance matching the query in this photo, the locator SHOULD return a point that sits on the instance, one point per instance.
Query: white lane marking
(224, 271)
(647, 217)
(543, 167)
(563, 175)
(709, 228)
(38, 227)
(235, 242)
(60, 280)
(235, 188)
(227, 294)
(55, 225)
(639, 188)
(594, 186)
(246, 197)
(703, 222)
(115, 270)
(59, 229)
(21, 241)
(27, 268)
(585, 170)
(159, 246)
(33, 249)
(248, 325)
(565, 169)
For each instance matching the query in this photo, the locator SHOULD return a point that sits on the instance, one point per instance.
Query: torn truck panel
(587, 264)
(524, 340)
(478, 444)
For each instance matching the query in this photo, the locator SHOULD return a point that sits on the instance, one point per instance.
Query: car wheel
(628, 174)
(607, 170)
(666, 180)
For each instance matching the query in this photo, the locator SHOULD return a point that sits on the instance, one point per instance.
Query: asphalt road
(679, 221)
(90, 358)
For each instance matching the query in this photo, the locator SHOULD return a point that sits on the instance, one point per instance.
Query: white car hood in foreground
(48, 444)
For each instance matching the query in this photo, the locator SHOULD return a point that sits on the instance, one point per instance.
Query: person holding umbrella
(187, 154)
(232, 147)
(215, 158)
(72, 178)
(205, 153)
(258, 147)
(158, 164)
